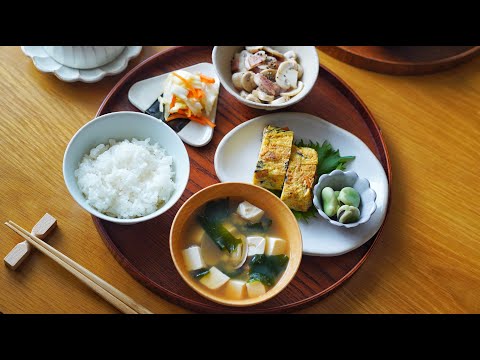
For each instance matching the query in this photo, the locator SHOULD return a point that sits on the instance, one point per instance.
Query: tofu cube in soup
(275, 246)
(193, 258)
(214, 279)
(235, 289)
(255, 288)
(250, 212)
(197, 234)
(256, 245)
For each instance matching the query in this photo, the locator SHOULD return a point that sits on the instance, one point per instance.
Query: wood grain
(149, 260)
(403, 60)
(428, 260)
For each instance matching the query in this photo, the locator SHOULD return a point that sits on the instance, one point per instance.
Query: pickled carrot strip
(207, 79)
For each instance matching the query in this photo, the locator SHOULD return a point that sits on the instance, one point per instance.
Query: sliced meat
(265, 85)
(253, 60)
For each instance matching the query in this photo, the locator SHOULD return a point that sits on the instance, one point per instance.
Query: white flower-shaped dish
(46, 64)
(337, 180)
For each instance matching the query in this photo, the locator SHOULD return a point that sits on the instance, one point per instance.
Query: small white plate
(144, 93)
(237, 154)
(46, 64)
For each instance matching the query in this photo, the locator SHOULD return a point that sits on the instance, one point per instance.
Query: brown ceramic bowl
(273, 206)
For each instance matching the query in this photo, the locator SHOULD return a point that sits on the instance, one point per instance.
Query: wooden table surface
(428, 257)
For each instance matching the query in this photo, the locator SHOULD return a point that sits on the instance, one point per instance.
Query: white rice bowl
(127, 179)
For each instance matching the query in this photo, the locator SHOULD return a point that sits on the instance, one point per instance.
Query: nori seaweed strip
(176, 124)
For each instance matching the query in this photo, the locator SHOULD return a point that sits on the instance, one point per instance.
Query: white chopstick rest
(20, 252)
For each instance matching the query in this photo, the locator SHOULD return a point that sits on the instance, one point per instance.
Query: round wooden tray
(143, 249)
(403, 60)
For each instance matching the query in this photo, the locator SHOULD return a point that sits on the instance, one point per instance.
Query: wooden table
(427, 260)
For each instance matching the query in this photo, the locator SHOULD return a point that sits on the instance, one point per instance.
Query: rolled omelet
(273, 158)
(297, 190)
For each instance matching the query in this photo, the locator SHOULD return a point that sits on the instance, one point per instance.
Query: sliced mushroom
(260, 68)
(244, 94)
(265, 85)
(253, 49)
(295, 91)
(300, 70)
(253, 98)
(269, 74)
(247, 81)
(253, 60)
(280, 100)
(273, 52)
(263, 96)
(237, 80)
(270, 63)
(241, 60)
(287, 75)
(290, 55)
(298, 67)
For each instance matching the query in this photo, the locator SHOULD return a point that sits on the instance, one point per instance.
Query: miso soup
(234, 249)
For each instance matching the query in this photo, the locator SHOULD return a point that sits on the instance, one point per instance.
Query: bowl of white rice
(126, 167)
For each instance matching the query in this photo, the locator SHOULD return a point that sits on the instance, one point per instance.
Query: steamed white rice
(126, 179)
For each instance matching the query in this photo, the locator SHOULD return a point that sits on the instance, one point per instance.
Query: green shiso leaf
(328, 160)
(305, 215)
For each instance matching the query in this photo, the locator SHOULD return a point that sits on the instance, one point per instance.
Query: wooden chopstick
(98, 289)
(111, 294)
